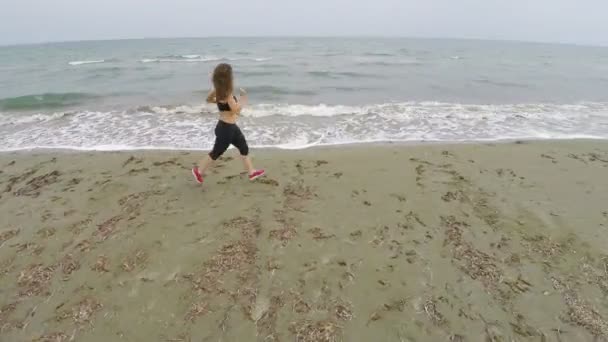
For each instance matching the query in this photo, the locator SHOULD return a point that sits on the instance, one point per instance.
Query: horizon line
(305, 36)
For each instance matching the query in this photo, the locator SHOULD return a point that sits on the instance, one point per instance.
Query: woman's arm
(211, 98)
(235, 107)
(244, 98)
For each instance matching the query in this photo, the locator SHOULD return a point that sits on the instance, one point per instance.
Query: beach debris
(412, 216)
(18, 179)
(166, 162)
(34, 280)
(268, 181)
(338, 174)
(101, 265)
(74, 181)
(82, 312)
(400, 198)
(68, 265)
(8, 234)
(272, 265)
(284, 234)
(52, 337)
(130, 204)
(5, 312)
(299, 167)
(580, 312)
(430, 308)
(343, 311)
(317, 234)
(375, 316)
(356, 234)
(456, 338)
(321, 162)
(294, 194)
(132, 159)
(453, 196)
(316, 331)
(106, 228)
(196, 310)
(299, 304)
(230, 257)
(138, 259)
(33, 186)
(6, 266)
(419, 175)
(265, 314)
(396, 305)
(183, 337)
(546, 246)
(521, 328)
(475, 263)
(77, 227)
(84, 246)
(140, 170)
(46, 232)
(249, 228)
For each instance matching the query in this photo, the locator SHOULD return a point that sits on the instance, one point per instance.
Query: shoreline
(450, 242)
(379, 143)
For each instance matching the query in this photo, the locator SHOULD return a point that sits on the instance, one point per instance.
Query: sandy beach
(480, 242)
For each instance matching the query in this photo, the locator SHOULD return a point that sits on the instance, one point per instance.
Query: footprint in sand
(34, 186)
(133, 160)
(268, 181)
(136, 171)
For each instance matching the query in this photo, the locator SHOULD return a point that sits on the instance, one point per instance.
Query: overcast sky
(568, 21)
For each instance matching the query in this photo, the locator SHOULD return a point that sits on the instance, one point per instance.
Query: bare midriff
(228, 117)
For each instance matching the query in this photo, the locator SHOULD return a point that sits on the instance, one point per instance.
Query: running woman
(226, 132)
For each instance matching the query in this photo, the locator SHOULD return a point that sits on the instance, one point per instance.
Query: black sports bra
(224, 106)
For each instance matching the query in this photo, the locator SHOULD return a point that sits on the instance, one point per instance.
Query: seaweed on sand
(316, 331)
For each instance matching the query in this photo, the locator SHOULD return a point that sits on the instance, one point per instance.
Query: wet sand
(502, 242)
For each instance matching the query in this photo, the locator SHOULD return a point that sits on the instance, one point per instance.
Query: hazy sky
(570, 21)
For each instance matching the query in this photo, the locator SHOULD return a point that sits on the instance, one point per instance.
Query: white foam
(75, 63)
(263, 110)
(184, 109)
(13, 119)
(201, 59)
(302, 126)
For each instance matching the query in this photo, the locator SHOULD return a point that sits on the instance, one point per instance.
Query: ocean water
(137, 94)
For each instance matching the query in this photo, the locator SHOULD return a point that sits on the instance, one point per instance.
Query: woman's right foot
(197, 175)
(256, 174)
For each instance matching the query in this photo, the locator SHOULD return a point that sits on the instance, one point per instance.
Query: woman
(226, 131)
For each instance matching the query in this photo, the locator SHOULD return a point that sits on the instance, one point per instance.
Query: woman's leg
(240, 143)
(205, 164)
(223, 137)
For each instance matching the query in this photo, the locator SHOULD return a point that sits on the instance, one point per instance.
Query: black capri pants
(225, 135)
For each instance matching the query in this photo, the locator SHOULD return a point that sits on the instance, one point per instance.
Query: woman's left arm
(211, 97)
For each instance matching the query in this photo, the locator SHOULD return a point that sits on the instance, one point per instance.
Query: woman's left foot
(256, 174)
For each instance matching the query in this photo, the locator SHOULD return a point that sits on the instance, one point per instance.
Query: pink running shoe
(256, 174)
(197, 175)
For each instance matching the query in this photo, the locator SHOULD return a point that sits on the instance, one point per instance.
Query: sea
(303, 92)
